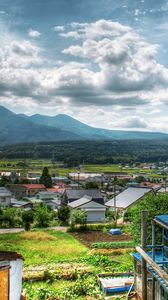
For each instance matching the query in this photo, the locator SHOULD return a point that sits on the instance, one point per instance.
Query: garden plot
(88, 238)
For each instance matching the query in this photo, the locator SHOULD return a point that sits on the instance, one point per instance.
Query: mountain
(17, 129)
(84, 131)
(20, 128)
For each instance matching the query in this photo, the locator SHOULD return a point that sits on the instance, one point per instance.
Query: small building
(151, 278)
(75, 194)
(21, 204)
(5, 197)
(22, 190)
(11, 265)
(95, 211)
(127, 198)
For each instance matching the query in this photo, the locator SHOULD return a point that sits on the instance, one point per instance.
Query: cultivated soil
(87, 238)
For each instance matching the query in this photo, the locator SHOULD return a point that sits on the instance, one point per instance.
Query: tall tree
(46, 178)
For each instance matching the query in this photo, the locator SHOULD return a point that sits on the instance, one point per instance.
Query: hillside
(20, 128)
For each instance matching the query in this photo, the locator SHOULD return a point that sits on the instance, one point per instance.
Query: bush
(64, 214)
(78, 217)
(42, 216)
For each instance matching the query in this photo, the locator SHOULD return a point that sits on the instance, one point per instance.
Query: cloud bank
(110, 65)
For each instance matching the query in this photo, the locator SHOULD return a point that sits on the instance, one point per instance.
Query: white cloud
(33, 33)
(71, 34)
(58, 28)
(115, 67)
(135, 122)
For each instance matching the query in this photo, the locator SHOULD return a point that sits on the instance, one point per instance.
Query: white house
(5, 197)
(95, 211)
(14, 276)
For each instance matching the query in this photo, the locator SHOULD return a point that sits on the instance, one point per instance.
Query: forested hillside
(75, 152)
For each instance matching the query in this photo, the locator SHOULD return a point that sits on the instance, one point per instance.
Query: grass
(43, 247)
(39, 164)
(69, 266)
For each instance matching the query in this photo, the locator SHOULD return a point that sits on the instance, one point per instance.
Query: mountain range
(20, 128)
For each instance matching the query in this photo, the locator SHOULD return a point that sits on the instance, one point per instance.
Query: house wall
(15, 279)
(95, 211)
(5, 200)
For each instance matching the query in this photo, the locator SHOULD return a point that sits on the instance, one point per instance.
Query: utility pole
(115, 207)
(143, 245)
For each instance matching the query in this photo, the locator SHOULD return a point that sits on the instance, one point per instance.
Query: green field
(56, 167)
(57, 266)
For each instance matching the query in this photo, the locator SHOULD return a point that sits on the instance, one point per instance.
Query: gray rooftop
(5, 192)
(80, 201)
(128, 197)
(77, 194)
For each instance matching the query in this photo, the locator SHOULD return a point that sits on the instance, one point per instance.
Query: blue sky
(103, 62)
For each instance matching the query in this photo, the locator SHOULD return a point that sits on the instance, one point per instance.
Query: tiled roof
(6, 255)
(77, 194)
(34, 186)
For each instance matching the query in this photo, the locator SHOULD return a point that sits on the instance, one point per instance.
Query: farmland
(59, 266)
(37, 165)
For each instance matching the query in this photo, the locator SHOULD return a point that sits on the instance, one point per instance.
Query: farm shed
(95, 211)
(10, 275)
(151, 263)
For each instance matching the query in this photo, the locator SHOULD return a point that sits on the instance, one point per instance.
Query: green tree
(154, 205)
(4, 180)
(140, 179)
(12, 217)
(46, 178)
(27, 218)
(64, 214)
(78, 217)
(42, 215)
(91, 185)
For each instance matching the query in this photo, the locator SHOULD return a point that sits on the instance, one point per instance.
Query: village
(79, 229)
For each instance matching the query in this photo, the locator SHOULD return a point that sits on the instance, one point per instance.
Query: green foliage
(4, 180)
(91, 185)
(113, 245)
(155, 205)
(27, 218)
(46, 178)
(42, 216)
(78, 217)
(64, 214)
(140, 179)
(12, 217)
(93, 152)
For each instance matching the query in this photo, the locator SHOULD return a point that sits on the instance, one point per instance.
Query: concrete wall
(15, 279)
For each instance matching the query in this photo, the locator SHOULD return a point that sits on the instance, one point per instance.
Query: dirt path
(11, 230)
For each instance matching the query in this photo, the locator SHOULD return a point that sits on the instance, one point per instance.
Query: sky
(103, 62)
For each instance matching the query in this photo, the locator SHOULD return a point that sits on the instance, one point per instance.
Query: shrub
(64, 214)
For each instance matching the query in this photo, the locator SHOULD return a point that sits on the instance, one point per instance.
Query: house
(49, 198)
(22, 190)
(127, 198)
(33, 189)
(95, 210)
(151, 263)
(75, 194)
(5, 197)
(11, 264)
(21, 204)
